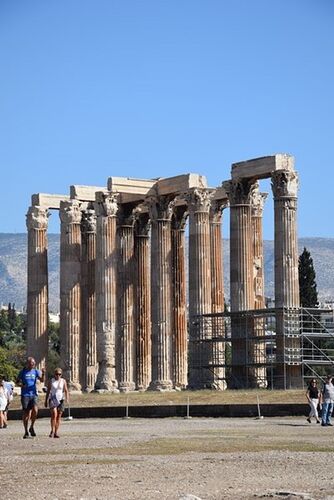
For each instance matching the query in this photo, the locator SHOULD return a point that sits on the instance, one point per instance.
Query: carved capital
(179, 218)
(70, 212)
(257, 201)
(216, 210)
(240, 191)
(127, 215)
(106, 205)
(143, 224)
(284, 184)
(199, 200)
(161, 207)
(37, 218)
(88, 222)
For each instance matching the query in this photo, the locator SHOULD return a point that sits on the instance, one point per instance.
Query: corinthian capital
(216, 210)
(257, 201)
(179, 218)
(240, 191)
(70, 212)
(37, 218)
(106, 205)
(88, 222)
(161, 207)
(199, 200)
(284, 184)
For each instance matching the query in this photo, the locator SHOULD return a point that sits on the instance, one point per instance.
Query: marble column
(125, 338)
(258, 348)
(217, 292)
(88, 297)
(179, 300)
(200, 300)
(285, 187)
(37, 303)
(241, 278)
(70, 291)
(106, 207)
(143, 303)
(161, 209)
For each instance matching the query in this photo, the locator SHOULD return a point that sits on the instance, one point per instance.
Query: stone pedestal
(143, 303)
(106, 208)
(88, 297)
(200, 350)
(217, 293)
(37, 303)
(241, 281)
(126, 346)
(70, 291)
(288, 350)
(161, 210)
(179, 301)
(257, 348)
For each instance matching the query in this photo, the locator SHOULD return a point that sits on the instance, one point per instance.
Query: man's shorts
(28, 402)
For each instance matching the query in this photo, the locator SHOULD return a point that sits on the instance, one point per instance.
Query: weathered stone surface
(51, 201)
(85, 193)
(261, 168)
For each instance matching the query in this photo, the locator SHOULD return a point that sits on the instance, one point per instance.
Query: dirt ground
(169, 459)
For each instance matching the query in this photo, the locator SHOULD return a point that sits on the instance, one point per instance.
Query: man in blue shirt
(27, 379)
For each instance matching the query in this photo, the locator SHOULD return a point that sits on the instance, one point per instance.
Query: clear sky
(156, 88)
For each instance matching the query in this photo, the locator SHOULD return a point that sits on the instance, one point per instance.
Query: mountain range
(13, 267)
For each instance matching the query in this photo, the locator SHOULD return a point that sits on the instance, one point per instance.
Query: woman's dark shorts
(28, 402)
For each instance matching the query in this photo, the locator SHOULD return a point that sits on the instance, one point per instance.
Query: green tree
(307, 285)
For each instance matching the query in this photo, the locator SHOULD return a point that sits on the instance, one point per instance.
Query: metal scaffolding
(274, 348)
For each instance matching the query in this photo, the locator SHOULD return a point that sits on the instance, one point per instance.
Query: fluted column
(258, 348)
(200, 301)
(161, 209)
(106, 208)
(88, 296)
(179, 301)
(126, 345)
(241, 278)
(285, 187)
(70, 291)
(143, 303)
(217, 292)
(37, 303)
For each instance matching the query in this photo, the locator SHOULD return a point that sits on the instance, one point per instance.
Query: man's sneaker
(26, 435)
(324, 425)
(331, 425)
(32, 432)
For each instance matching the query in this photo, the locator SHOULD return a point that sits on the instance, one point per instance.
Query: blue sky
(142, 88)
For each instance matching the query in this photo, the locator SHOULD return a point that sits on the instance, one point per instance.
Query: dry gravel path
(169, 459)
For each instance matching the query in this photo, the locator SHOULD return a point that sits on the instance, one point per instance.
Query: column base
(141, 388)
(161, 385)
(74, 387)
(126, 386)
(105, 380)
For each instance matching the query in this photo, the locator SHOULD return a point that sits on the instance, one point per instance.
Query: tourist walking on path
(313, 397)
(27, 379)
(4, 398)
(56, 395)
(9, 386)
(327, 401)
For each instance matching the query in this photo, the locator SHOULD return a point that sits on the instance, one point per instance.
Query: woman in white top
(56, 395)
(4, 398)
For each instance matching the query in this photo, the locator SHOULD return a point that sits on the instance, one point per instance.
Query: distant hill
(13, 264)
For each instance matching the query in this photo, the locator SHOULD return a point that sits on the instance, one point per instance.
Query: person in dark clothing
(313, 396)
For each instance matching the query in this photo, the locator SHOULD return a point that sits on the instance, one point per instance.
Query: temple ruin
(127, 321)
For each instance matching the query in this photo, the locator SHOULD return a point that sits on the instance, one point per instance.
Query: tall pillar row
(285, 187)
(70, 291)
(143, 302)
(161, 210)
(179, 300)
(106, 208)
(37, 299)
(217, 292)
(241, 277)
(88, 298)
(200, 299)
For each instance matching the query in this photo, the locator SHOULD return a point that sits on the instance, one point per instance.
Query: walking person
(10, 389)
(27, 379)
(55, 397)
(4, 398)
(327, 401)
(313, 396)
